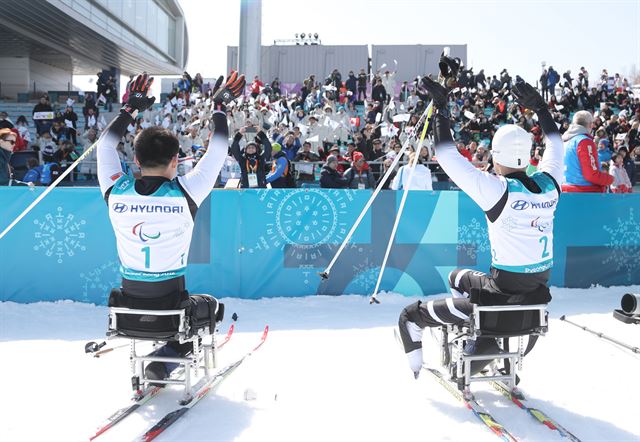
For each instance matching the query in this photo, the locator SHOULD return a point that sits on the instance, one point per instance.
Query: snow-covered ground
(329, 371)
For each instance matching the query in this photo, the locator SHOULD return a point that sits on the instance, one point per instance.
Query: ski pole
(601, 335)
(405, 193)
(327, 271)
(62, 176)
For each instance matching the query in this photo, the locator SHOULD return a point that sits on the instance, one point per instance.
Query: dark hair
(155, 147)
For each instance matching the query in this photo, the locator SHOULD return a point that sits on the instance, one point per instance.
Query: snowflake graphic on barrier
(625, 245)
(305, 219)
(474, 233)
(366, 275)
(97, 283)
(59, 235)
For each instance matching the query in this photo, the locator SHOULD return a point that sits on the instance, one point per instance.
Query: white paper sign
(401, 118)
(43, 116)
(470, 115)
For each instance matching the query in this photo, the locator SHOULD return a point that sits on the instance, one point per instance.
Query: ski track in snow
(329, 371)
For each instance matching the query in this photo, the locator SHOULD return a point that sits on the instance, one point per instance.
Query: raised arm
(553, 160)
(109, 168)
(485, 189)
(199, 182)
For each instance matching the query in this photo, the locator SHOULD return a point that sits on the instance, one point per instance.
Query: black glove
(232, 89)
(449, 69)
(438, 94)
(137, 90)
(527, 96)
(259, 138)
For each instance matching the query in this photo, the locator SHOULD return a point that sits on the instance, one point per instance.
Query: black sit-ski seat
(194, 324)
(499, 323)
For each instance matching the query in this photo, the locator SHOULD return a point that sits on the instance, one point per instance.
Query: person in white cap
(519, 211)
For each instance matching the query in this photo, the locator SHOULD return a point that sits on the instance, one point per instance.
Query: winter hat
(332, 159)
(512, 146)
(276, 147)
(357, 156)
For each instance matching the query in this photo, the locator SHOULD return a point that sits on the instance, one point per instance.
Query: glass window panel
(162, 40)
(115, 6)
(129, 12)
(172, 37)
(152, 25)
(140, 24)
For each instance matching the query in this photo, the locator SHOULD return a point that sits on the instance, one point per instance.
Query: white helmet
(511, 146)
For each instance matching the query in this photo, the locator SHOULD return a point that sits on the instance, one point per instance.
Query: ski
(519, 399)
(227, 338)
(482, 414)
(201, 389)
(478, 411)
(144, 397)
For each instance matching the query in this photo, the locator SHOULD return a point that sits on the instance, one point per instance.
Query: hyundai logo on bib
(522, 204)
(519, 205)
(146, 208)
(120, 207)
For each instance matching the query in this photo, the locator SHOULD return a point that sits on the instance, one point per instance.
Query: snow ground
(329, 371)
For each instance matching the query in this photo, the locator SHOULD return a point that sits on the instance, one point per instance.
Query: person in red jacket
(256, 86)
(582, 168)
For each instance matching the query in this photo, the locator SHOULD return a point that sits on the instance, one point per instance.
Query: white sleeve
(109, 167)
(553, 158)
(483, 188)
(200, 181)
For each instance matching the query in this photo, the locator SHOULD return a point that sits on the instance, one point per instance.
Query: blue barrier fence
(267, 243)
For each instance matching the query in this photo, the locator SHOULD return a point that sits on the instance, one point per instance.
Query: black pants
(499, 287)
(171, 294)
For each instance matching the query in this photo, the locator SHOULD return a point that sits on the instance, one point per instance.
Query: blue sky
(517, 34)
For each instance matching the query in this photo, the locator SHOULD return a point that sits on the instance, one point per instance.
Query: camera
(629, 313)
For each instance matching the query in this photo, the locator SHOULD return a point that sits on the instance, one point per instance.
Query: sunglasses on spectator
(13, 142)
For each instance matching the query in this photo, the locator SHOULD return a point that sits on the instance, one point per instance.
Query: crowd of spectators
(341, 132)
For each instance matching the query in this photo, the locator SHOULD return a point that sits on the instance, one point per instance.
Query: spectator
(464, 151)
(253, 160)
(362, 85)
(34, 172)
(281, 175)
(71, 122)
(604, 153)
(23, 129)
(256, 87)
(91, 120)
(544, 86)
(7, 141)
(552, 79)
(88, 165)
(421, 179)
(330, 177)
(621, 182)
(379, 93)
(305, 160)
(359, 176)
(290, 144)
(5, 122)
(582, 168)
(386, 164)
(352, 85)
(42, 115)
(21, 144)
(47, 148)
(628, 164)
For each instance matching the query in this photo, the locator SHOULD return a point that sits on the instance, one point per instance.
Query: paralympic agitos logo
(137, 231)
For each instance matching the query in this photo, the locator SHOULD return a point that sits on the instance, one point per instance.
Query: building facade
(44, 42)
